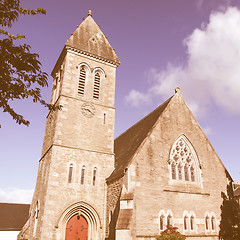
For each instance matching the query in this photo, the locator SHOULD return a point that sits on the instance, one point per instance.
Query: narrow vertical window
(169, 220)
(94, 176)
(70, 172)
(185, 222)
(96, 87)
(173, 167)
(83, 174)
(81, 83)
(213, 223)
(186, 175)
(36, 215)
(192, 222)
(161, 222)
(207, 223)
(179, 171)
(104, 118)
(192, 174)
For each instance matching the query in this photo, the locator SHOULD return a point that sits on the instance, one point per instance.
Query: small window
(213, 223)
(192, 174)
(70, 172)
(185, 222)
(186, 175)
(81, 83)
(161, 222)
(173, 167)
(169, 220)
(207, 223)
(83, 174)
(192, 222)
(96, 87)
(94, 176)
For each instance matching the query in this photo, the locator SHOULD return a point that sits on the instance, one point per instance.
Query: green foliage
(230, 216)
(171, 233)
(20, 72)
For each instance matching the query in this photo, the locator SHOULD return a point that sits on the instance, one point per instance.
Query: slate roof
(89, 38)
(126, 145)
(13, 216)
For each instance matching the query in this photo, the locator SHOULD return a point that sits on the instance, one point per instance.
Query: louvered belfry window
(81, 83)
(96, 88)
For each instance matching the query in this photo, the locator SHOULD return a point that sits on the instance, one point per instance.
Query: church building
(161, 171)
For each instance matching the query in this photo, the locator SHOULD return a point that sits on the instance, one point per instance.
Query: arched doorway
(77, 228)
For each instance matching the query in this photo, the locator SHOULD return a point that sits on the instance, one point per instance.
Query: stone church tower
(77, 154)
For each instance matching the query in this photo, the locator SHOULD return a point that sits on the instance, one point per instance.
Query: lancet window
(213, 223)
(94, 176)
(96, 87)
(207, 223)
(161, 222)
(70, 173)
(192, 223)
(183, 162)
(81, 82)
(83, 174)
(169, 220)
(185, 224)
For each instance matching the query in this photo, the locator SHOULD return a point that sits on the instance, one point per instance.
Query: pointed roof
(127, 144)
(89, 38)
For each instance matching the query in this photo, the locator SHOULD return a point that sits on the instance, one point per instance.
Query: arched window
(83, 174)
(179, 171)
(213, 223)
(173, 168)
(207, 223)
(161, 222)
(185, 159)
(96, 87)
(185, 225)
(169, 220)
(192, 223)
(94, 176)
(70, 173)
(81, 82)
(192, 171)
(186, 174)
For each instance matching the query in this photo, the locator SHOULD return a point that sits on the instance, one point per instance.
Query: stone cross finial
(89, 13)
(177, 90)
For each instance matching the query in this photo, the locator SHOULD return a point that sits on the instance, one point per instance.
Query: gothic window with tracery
(179, 171)
(173, 167)
(96, 87)
(81, 82)
(184, 164)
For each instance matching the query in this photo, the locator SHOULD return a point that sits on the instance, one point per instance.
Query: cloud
(15, 195)
(136, 98)
(212, 72)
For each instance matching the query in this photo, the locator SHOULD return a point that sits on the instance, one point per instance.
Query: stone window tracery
(184, 164)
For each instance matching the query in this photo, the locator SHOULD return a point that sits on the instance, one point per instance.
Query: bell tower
(77, 154)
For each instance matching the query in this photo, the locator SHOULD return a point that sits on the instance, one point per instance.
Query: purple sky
(161, 45)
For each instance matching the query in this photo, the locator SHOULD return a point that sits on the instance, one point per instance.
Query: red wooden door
(77, 228)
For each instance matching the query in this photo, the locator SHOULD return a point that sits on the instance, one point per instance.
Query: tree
(171, 233)
(230, 218)
(20, 73)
